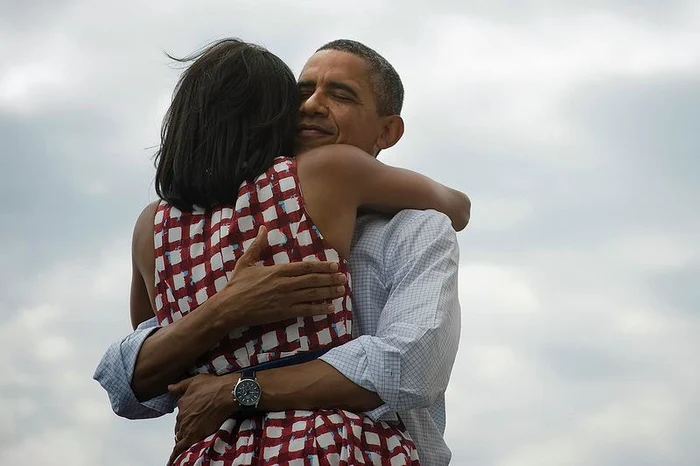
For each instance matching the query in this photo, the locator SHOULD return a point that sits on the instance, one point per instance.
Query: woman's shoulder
(144, 222)
(142, 241)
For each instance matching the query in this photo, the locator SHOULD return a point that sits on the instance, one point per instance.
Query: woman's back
(197, 251)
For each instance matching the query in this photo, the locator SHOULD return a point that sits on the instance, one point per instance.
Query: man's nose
(315, 104)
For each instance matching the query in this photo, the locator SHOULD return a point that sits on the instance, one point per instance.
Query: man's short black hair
(388, 88)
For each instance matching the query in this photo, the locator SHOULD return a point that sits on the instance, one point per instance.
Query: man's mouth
(311, 130)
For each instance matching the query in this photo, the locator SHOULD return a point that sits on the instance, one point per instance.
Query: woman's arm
(385, 189)
(141, 304)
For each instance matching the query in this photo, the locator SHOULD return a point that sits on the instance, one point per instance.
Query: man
(406, 311)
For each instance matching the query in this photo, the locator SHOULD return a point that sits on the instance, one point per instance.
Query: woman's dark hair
(233, 111)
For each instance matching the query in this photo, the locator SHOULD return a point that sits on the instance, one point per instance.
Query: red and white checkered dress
(195, 256)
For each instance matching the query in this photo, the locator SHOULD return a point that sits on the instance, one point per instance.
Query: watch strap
(248, 374)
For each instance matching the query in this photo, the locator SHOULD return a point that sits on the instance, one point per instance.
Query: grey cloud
(640, 135)
(679, 288)
(26, 16)
(650, 124)
(579, 363)
(47, 162)
(645, 132)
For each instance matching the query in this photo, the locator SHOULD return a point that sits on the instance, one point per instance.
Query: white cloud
(490, 289)
(21, 85)
(553, 53)
(510, 83)
(492, 214)
(653, 251)
(585, 375)
(58, 447)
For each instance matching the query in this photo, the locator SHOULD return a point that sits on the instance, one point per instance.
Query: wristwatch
(247, 392)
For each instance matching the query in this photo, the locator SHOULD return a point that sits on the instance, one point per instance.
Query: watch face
(247, 392)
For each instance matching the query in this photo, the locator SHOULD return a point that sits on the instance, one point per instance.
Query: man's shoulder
(411, 216)
(408, 221)
(409, 228)
(387, 244)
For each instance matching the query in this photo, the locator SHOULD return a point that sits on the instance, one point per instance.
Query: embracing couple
(245, 316)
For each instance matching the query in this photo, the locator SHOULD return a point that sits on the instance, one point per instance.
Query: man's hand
(258, 295)
(205, 403)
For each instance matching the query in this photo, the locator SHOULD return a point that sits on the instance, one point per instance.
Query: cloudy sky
(569, 123)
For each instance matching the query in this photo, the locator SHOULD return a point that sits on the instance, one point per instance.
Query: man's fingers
(313, 280)
(180, 446)
(304, 268)
(180, 387)
(182, 442)
(315, 294)
(308, 309)
(252, 253)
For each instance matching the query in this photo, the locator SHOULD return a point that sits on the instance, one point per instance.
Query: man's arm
(136, 371)
(205, 401)
(315, 384)
(142, 365)
(408, 361)
(407, 364)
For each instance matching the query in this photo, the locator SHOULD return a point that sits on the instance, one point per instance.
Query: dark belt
(298, 358)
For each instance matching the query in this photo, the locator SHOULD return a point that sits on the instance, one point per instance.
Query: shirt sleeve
(409, 360)
(116, 369)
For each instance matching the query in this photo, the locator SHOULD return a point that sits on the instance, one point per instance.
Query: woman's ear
(391, 133)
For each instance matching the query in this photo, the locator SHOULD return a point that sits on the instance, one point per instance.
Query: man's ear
(391, 133)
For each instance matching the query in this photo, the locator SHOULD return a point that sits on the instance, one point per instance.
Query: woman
(224, 170)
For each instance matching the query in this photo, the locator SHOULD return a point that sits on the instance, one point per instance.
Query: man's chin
(305, 144)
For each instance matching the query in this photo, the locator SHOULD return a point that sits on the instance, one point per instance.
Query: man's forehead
(335, 65)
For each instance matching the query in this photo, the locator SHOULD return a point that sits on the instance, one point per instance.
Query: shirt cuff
(350, 359)
(382, 413)
(115, 371)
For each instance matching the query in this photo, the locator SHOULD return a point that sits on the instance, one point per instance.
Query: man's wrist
(225, 398)
(222, 319)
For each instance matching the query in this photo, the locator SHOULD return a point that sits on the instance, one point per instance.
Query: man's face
(338, 104)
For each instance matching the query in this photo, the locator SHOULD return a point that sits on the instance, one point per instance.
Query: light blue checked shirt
(406, 320)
